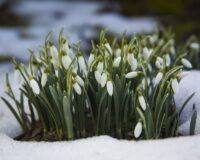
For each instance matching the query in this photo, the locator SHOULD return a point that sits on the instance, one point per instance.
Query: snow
(189, 85)
(102, 148)
(76, 17)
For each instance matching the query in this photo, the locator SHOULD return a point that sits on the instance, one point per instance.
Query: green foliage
(122, 85)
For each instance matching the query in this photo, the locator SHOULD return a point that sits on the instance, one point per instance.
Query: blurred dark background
(24, 23)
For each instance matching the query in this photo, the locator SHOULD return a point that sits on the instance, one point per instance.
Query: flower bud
(17, 76)
(82, 64)
(147, 52)
(131, 74)
(138, 130)
(79, 80)
(158, 78)
(77, 88)
(132, 61)
(118, 52)
(159, 62)
(103, 79)
(100, 67)
(194, 46)
(66, 61)
(90, 59)
(34, 85)
(97, 75)
(44, 79)
(108, 47)
(142, 102)
(168, 60)
(186, 63)
(117, 62)
(175, 85)
(109, 87)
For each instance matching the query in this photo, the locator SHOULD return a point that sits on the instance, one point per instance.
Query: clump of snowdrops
(124, 89)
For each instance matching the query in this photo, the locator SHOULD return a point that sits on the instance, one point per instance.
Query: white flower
(79, 80)
(77, 88)
(54, 54)
(103, 79)
(118, 52)
(138, 130)
(172, 50)
(66, 61)
(109, 87)
(153, 39)
(97, 75)
(194, 46)
(131, 74)
(108, 47)
(159, 62)
(81, 63)
(117, 61)
(147, 52)
(35, 87)
(168, 60)
(142, 102)
(17, 76)
(65, 47)
(186, 63)
(175, 85)
(44, 79)
(158, 78)
(90, 59)
(100, 67)
(132, 61)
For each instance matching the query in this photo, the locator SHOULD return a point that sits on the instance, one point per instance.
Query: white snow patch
(102, 148)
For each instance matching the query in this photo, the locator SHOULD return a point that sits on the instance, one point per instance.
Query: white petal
(138, 130)
(172, 50)
(44, 79)
(66, 61)
(79, 80)
(77, 88)
(132, 61)
(97, 75)
(91, 59)
(100, 67)
(66, 47)
(118, 52)
(81, 63)
(35, 87)
(109, 87)
(159, 77)
(186, 63)
(17, 76)
(103, 80)
(142, 102)
(194, 46)
(175, 85)
(131, 74)
(117, 62)
(168, 60)
(107, 45)
(146, 53)
(159, 62)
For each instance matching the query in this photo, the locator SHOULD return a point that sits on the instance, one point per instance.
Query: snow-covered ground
(102, 148)
(78, 18)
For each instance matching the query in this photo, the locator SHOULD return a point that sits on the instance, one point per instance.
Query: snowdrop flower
(117, 62)
(79, 80)
(65, 47)
(54, 54)
(66, 61)
(90, 59)
(17, 76)
(109, 87)
(118, 52)
(100, 67)
(131, 74)
(172, 50)
(142, 102)
(34, 85)
(186, 63)
(159, 62)
(81, 63)
(138, 130)
(194, 46)
(158, 78)
(103, 79)
(77, 88)
(175, 85)
(108, 47)
(132, 61)
(153, 39)
(97, 75)
(168, 60)
(44, 79)
(146, 52)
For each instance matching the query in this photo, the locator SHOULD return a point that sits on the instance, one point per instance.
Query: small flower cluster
(124, 89)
